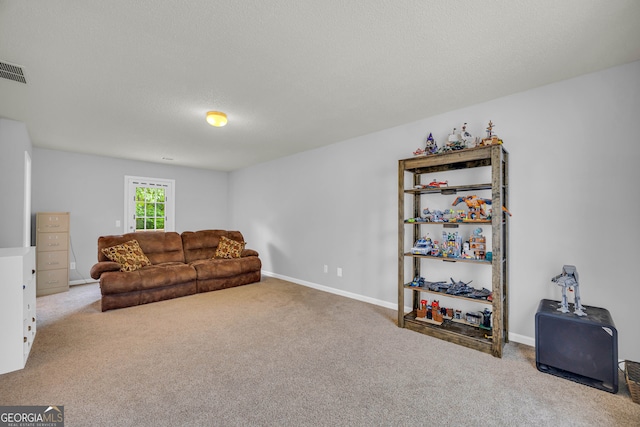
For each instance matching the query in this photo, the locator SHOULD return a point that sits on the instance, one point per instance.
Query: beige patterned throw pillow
(129, 255)
(228, 248)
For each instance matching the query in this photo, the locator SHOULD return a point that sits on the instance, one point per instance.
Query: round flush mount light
(216, 118)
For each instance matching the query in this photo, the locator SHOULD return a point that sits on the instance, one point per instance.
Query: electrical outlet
(117, 223)
(339, 271)
(72, 265)
(326, 268)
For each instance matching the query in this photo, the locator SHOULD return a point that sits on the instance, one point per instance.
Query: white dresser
(52, 243)
(17, 306)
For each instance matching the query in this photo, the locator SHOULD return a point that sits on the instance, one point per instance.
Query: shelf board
(417, 288)
(479, 221)
(449, 189)
(446, 259)
(454, 332)
(453, 160)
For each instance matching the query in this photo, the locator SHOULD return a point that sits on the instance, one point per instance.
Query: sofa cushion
(219, 268)
(150, 277)
(129, 255)
(203, 244)
(228, 248)
(159, 247)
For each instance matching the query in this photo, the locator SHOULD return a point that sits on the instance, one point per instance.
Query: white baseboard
(521, 339)
(81, 282)
(351, 295)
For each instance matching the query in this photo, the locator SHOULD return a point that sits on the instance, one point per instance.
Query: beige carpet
(279, 354)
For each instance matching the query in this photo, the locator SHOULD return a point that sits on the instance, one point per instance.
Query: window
(149, 204)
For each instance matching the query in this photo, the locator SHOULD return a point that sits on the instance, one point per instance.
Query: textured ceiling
(134, 79)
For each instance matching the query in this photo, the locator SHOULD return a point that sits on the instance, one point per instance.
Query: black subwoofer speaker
(583, 349)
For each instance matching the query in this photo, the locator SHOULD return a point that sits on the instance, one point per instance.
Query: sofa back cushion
(202, 244)
(158, 246)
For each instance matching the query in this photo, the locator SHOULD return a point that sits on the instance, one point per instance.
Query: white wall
(91, 188)
(14, 141)
(574, 156)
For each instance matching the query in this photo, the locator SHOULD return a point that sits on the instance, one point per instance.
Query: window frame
(130, 185)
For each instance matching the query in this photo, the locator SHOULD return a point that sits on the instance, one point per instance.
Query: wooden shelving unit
(410, 172)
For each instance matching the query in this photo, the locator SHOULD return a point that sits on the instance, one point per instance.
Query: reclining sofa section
(181, 264)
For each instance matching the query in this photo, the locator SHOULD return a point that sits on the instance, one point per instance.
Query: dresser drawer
(52, 242)
(52, 261)
(52, 222)
(52, 279)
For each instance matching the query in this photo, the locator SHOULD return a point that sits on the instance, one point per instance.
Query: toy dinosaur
(475, 205)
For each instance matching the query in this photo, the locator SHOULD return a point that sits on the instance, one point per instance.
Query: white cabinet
(52, 242)
(17, 306)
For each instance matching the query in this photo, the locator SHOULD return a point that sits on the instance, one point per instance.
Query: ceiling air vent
(12, 72)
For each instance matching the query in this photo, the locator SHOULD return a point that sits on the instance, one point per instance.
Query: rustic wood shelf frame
(497, 158)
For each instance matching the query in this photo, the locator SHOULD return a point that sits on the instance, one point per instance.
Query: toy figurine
(422, 246)
(418, 281)
(466, 251)
(454, 142)
(475, 205)
(432, 146)
(467, 138)
(568, 279)
(452, 246)
(486, 319)
(473, 318)
(437, 184)
(419, 152)
(437, 216)
(435, 312)
(491, 137)
(477, 244)
(422, 310)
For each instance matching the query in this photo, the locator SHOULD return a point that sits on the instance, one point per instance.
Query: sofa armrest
(248, 252)
(103, 267)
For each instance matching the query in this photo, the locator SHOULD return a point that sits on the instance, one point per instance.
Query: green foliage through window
(150, 203)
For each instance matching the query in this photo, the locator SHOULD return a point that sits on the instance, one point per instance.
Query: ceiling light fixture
(216, 118)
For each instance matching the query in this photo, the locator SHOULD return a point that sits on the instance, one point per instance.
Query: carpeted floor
(279, 354)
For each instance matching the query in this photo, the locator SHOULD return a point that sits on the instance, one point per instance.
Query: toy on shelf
(475, 205)
(467, 138)
(437, 314)
(431, 145)
(486, 319)
(458, 141)
(422, 246)
(432, 184)
(437, 184)
(432, 216)
(454, 288)
(422, 311)
(451, 244)
(454, 142)
(569, 279)
(491, 138)
(478, 244)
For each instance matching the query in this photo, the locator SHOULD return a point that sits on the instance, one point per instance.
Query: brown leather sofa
(181, 264)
